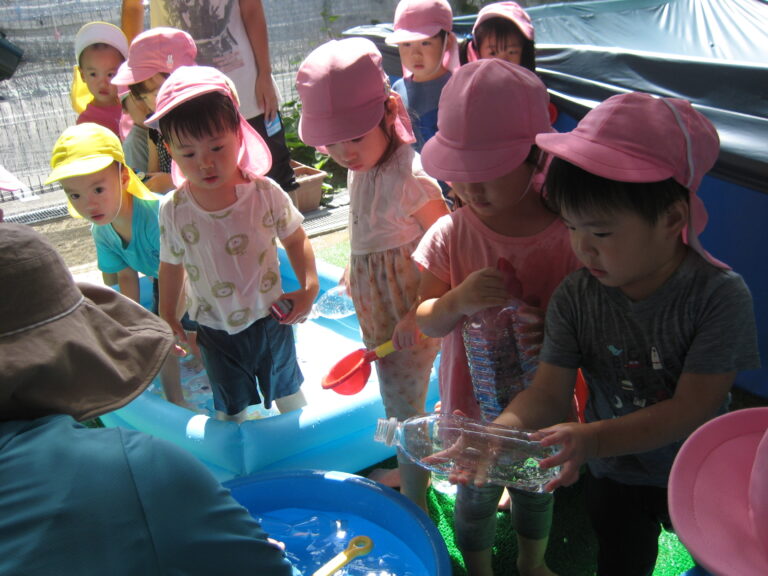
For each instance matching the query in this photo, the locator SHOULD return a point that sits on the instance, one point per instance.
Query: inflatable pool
(333, 432)
(316, 514)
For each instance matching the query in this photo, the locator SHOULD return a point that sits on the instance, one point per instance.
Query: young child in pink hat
(429, 54)
(221, 227)
(152, 56)
(503, 30)
(490, 114)
(658, 326)
(348, 109)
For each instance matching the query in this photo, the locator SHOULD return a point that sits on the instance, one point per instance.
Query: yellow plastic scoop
(358, 546)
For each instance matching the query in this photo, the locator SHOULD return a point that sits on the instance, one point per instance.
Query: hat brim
(128, 76)
(602, 160)
(95, 359)
(709, 494)
(450, 164)
(326, 130)
(100, 33)
(80, 167)
(400, 36)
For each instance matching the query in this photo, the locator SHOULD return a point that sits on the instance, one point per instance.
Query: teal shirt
(80, 501)
(142, 253)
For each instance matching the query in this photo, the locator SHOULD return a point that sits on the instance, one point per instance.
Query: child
(347, 107)
(428, 53)
(88, 161)
(100, 48)
(490, 113)
(136, 140)
(503, 30)
(658, 327)
(152, 56)
(221, 226)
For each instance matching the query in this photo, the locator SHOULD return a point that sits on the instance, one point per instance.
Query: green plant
(337, 176)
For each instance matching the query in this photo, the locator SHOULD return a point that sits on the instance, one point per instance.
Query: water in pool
(313, 537)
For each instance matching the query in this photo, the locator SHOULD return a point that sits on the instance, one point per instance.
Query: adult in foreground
(79, 500)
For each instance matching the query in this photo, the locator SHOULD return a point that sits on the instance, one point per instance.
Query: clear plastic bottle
(333, 304)
(511, 456)
(499, 363)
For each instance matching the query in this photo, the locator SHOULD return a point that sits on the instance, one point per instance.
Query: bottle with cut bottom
(508, 456)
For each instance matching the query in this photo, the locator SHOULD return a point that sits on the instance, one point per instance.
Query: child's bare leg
(478, 562)
(413, 481)
(170, 380)
(239, 418)
(530, 557)
(292, 402)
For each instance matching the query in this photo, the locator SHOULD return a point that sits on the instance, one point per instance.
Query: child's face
(98, 65)
(622, 250)
(149, 89)
(361, 154)
(209, 163)
(423, 58)
(509, 48)
(97, 197)
(496, 198)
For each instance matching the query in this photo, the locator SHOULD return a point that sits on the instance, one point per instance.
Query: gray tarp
(711, 52)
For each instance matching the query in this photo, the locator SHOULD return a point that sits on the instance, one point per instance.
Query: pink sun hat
(157, 50)
(188, 82)
(421, 19)
(343, 87)
(718, 493)
(638, 137)
(511, 11)
(489, 114)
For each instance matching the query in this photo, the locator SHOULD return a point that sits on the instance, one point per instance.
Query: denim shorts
(258, 362)
(475, 515)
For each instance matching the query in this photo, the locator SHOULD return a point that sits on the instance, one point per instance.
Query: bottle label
(274, 126)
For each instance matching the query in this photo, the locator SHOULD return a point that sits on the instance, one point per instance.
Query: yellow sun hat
(88, 148)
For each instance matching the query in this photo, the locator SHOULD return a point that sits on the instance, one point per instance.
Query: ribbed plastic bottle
(499, 364)
(514, 460)
(333, 304)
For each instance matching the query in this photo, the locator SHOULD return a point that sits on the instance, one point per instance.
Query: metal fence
(35, 106)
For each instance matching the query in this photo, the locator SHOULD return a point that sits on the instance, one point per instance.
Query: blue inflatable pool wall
(335, 433)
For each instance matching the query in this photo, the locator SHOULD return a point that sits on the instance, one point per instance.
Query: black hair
(393, 139)
(574, 190)
(500, 29)
(203, 115)
(140, 88)
(97, 46)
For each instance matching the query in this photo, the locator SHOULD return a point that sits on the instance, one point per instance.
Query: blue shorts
(260, 359)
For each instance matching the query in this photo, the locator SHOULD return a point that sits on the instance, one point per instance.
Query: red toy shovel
(349, 375)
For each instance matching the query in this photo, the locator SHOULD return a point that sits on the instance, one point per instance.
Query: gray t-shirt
(633, 353)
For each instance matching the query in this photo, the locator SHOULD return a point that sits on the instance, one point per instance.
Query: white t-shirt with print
(230, 255)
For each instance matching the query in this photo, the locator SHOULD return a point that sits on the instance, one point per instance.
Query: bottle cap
(385, 431)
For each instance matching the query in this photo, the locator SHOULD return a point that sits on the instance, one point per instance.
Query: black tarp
(711, 52)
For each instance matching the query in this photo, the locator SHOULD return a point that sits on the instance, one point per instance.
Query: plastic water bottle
(514, 460)
(333, 304)
(499, 363)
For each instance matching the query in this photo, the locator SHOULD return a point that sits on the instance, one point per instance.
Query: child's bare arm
(302, 257)
(430, 212)
(442, 308)
(696, 400)
(128, 281)
(170, 282)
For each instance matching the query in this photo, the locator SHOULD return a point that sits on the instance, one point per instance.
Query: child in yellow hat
(89, 163)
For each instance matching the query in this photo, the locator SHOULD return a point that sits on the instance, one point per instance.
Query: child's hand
(302, 304)
(482, 289)
(406, 332)
(578, 444)
(178, 331)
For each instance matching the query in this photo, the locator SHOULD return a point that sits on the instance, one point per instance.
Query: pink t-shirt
(107, 116)
(457, 245)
